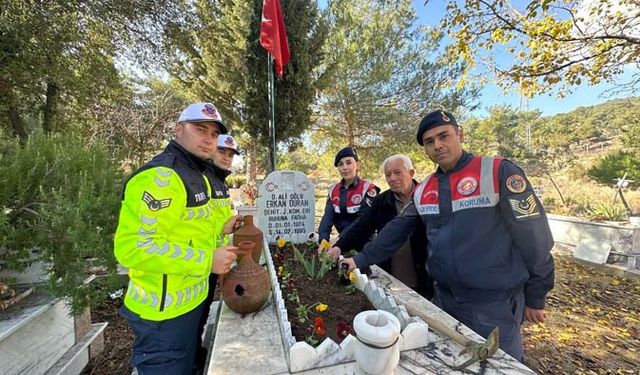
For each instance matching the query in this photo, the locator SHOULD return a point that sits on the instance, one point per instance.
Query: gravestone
(286, 206)
(593, 250)
(538, 190)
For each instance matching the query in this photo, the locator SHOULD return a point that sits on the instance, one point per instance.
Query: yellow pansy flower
(321, 307)
(325, 245)
(280, 269)
(353, 277)
(281, 242)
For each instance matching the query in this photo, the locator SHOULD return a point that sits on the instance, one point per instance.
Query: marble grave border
(302, 356)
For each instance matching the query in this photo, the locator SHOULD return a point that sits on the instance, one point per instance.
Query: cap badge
(516, 184)
(210, 110)
(467, 185)
(229, 142)
(445, 117)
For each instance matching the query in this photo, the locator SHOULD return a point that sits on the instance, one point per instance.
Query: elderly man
(166, 237)
(408, 262)
(489, 238)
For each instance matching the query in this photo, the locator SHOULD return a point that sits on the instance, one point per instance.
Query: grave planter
(302, 356)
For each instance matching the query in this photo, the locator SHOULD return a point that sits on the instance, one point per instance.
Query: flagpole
(272, 114)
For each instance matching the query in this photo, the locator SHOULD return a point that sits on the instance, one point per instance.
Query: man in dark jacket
(489, 238)
(408, 263)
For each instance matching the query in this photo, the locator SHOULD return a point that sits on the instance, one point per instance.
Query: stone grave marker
(593, 250)
(286, 206)
(538, 190)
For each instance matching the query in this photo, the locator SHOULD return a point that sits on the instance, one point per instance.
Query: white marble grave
(250, 344)
(34, 334)
(302, 356)
(286, 206)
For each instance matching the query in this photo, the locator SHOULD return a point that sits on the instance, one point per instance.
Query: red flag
(273, 36)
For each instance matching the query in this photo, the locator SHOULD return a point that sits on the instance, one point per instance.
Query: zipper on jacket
(164, 291)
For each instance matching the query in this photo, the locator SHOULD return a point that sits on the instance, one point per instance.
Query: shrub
(59, 204)
(236, 181)
(615, 166)
(606, 212)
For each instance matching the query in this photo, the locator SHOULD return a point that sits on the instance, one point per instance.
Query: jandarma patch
(467, 185)
(525, 207)
(356, 199)
(516, 183)
(372, 192)
(155, 204)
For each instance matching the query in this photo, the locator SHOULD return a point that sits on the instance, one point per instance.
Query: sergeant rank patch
(525, 207)
(155, 204)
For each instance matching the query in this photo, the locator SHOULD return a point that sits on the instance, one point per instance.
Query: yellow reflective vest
(168, 229)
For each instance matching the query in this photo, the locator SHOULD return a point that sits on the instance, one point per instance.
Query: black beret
(347, 151)
(433, 119)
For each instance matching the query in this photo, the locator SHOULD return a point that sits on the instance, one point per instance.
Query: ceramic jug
(249, 232)
(246, 287)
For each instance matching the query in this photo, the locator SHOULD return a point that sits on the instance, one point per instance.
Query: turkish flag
(273, 36)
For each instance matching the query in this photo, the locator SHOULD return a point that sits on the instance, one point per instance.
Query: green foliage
(59, 203)
(57, 58)
(324, 263)
(383, 74)
(302, 313)
(615, 165)
(606, 212)
(236, 181)
(541, 37)
(214, 52)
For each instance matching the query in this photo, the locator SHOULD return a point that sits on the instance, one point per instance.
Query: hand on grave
(233, 224)
(534, 315)
(334, 253)
(351, 262)
(223, 258)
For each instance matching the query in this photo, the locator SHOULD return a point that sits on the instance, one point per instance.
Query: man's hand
(334, 253)
(233, 224)
(223, 258)
(534, 315)
(351, 262)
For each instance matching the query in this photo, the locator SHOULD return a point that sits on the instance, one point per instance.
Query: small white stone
(302, 356)
(416, 335)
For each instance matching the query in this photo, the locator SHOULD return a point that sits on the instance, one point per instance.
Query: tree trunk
(16, 122)
(51, 107)
(12, 111)
(564, 203)
(252, 163)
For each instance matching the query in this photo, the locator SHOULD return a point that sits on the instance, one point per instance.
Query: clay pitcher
(247, 286)
(249, 232)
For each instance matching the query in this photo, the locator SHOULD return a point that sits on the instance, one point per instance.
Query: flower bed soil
(341, 306)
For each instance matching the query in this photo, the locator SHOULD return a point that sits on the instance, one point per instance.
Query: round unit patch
(372, 192)
(516, 184)
(356, 199)
(467, 185)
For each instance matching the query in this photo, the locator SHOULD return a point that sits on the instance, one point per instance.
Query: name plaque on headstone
(286, 206)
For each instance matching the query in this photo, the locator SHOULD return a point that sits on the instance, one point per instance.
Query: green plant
(614, 166)
(236, 181)
(302, 313)
(59, 202)
(606, 212)
(293, 296)
(324, 263)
